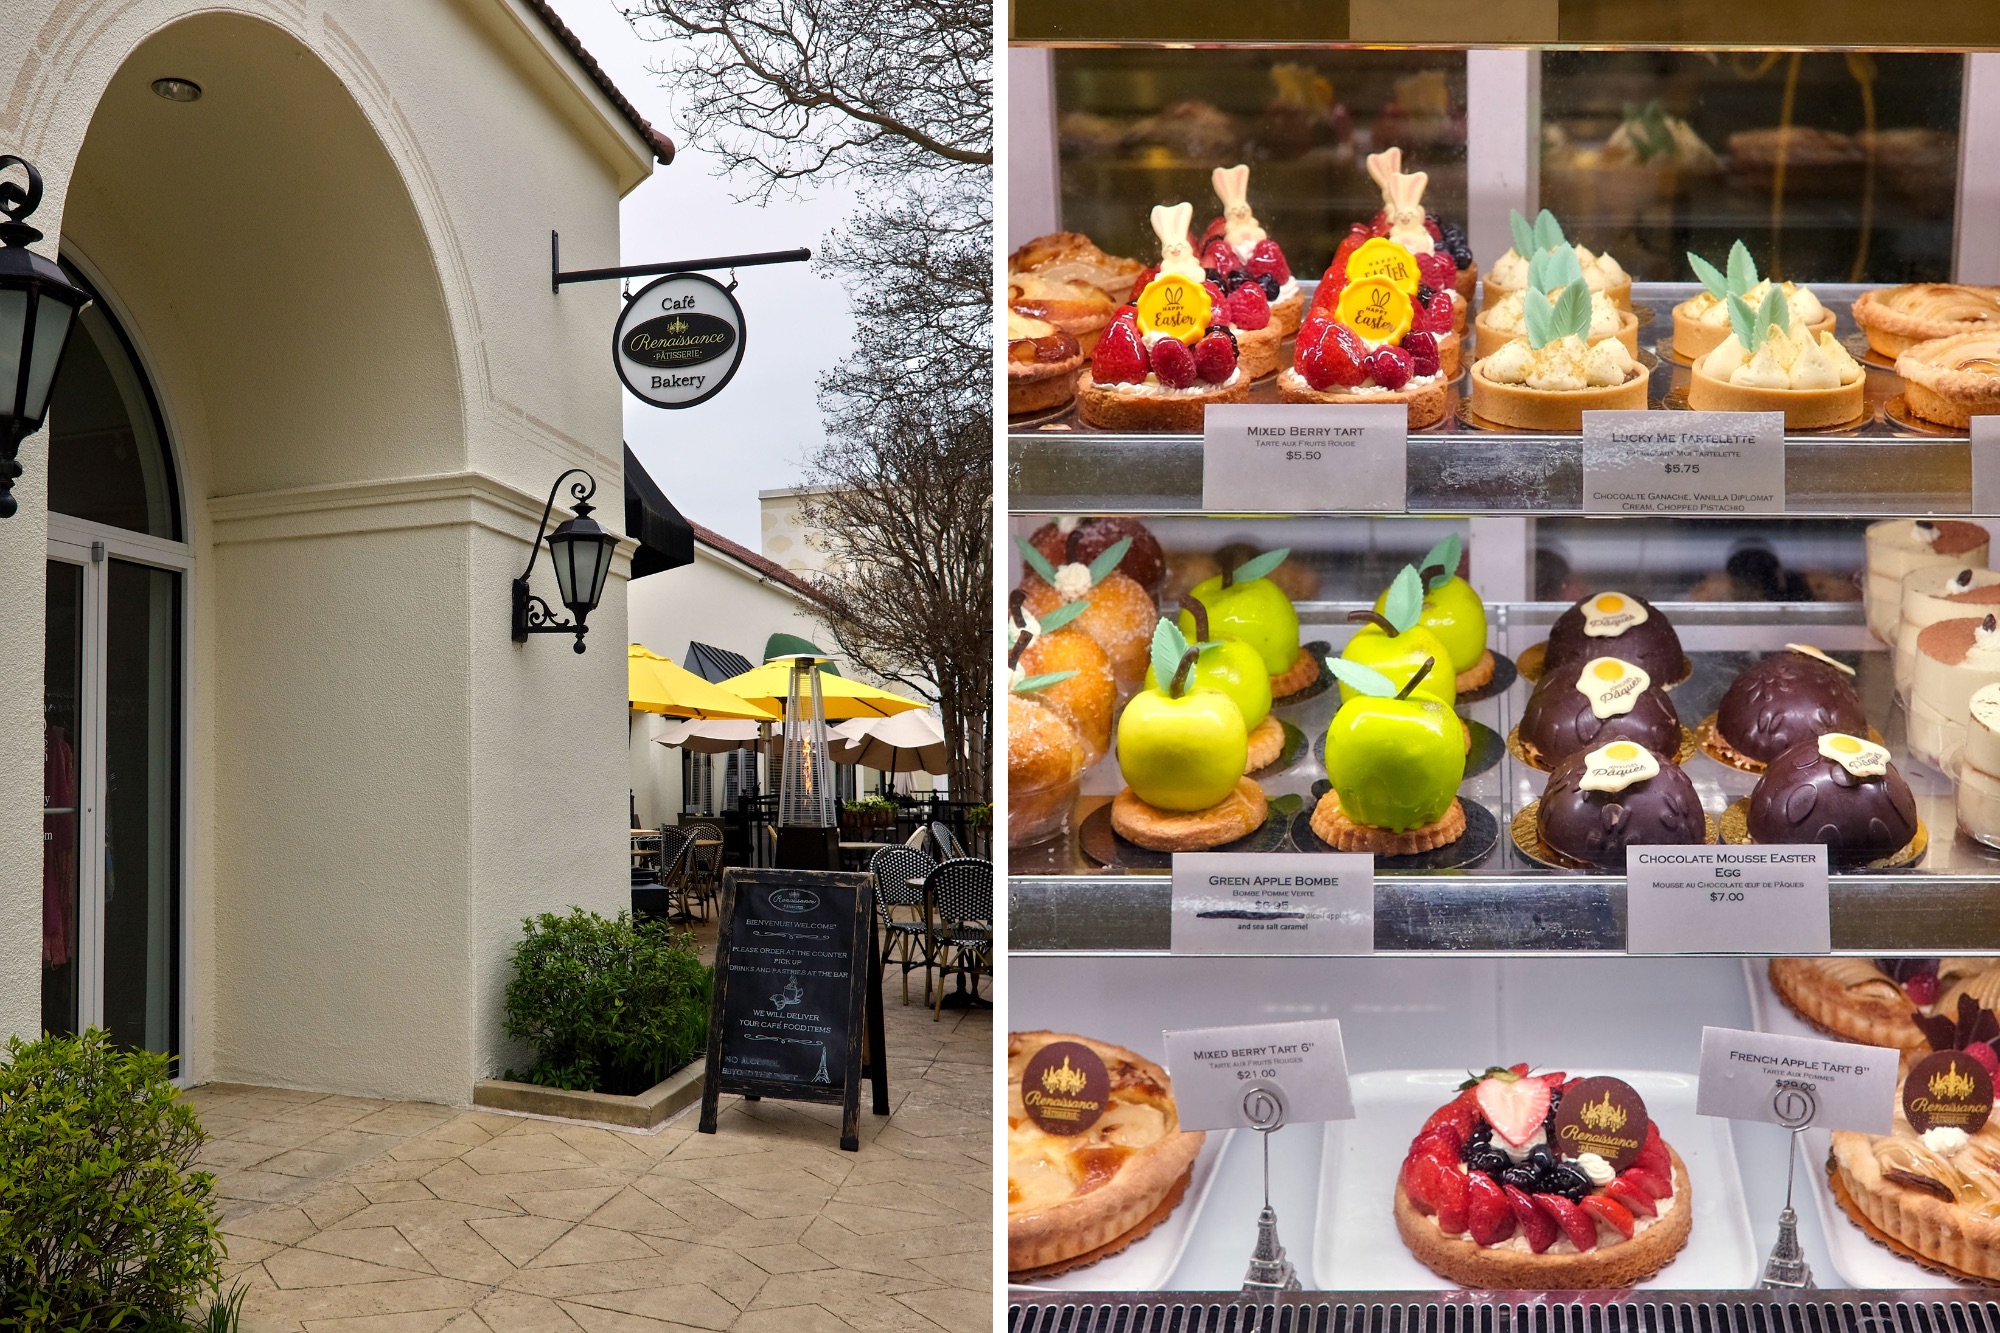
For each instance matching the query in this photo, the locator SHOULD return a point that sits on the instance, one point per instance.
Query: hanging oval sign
(679, 340)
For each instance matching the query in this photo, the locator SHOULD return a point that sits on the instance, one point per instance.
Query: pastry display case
(1490, 681)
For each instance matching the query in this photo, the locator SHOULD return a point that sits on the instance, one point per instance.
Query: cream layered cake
(1936, 593)
(1979, 768)
(1897, 547)
(1955, 658)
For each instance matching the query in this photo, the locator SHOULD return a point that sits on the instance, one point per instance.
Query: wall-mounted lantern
(38, 308)
(581, 551)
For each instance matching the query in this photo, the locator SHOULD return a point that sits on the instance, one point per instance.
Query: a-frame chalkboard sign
(796, 1012)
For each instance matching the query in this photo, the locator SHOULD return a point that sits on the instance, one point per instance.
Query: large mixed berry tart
(1876, 1001)
(1096, 1156)
(1543, 1182)
(1236, 252)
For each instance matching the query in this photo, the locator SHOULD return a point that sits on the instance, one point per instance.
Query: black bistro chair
(705, 863)
(903, 938)
(659, 898)
(961, 937)
(947, 845)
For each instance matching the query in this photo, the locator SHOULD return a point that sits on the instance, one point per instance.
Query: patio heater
(808, 817)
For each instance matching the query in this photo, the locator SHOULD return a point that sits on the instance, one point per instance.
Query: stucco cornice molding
(346, 509)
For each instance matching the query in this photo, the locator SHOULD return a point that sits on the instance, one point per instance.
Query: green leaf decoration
(1287, 805)
(1539, 316)
(1742, 269)
(1362, 679)
(1258, 567)
(1743, 323)
(1572, 312)
(1552, 270)
(1446, 553)
(1062, 615)
(1037, 561)
(1775, 310)
(1405, 602)
(1107, 560)
(1711, 277)
(1524, 235)
(1169, 646)
(1548, 232)
(1030, 684)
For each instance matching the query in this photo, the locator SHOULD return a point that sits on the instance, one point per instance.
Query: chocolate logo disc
(1606, 1116)
(1948, 1089)
(1065, 1087)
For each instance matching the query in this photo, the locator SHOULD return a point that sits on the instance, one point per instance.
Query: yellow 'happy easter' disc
(1376, 309)
(1176, 307)
(1379, 258)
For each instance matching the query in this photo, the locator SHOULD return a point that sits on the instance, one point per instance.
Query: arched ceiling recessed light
(178, 90)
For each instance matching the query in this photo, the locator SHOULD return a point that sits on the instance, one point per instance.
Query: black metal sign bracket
(557, 277)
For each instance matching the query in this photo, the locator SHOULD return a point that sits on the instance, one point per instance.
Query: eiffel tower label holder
(1270, 1272)
(1795, 1104)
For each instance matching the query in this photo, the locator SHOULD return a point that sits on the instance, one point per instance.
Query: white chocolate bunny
(1403, 200)
(1170, 224)
(1239, 224)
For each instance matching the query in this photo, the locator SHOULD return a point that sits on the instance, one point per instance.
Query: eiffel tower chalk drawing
(822, 1076)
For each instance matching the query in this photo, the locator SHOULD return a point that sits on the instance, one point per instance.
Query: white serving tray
(1355, 1245)
(1146, 1263)
(1861, 1262)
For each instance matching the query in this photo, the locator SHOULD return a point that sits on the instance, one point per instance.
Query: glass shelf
(1879, 467)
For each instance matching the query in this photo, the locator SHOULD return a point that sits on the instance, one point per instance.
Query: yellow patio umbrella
(767, 686)
(656, 685)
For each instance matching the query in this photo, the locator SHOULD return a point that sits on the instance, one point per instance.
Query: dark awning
(713, 664)
(785, 645)
(666, 541)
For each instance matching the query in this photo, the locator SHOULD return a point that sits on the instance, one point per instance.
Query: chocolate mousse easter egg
(1582, 705)
(1838, 789)
(1617, 624)
(1788, 697)
(1601, 801)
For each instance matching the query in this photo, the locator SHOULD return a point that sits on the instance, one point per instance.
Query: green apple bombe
(1398, 656)
(1395, 763)
(1182, 753)
(1254, 612)
(1453, 612)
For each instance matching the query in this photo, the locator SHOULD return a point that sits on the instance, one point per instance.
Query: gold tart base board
(1527, 834)
(1116, 1243)
(1736, 830)
(1681, 755)
(1862, 350)
(1677, 401)
(1712, 746)
(1295, 742)
(1889, 1242)
(1504, 675)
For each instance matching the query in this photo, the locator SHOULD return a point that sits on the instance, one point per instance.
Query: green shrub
(608, 1006)
(104, 1222)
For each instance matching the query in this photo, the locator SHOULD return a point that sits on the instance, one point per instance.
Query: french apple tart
(1076, 307)
(1068, 256)
(1898, 318)
(1952, 380)
(1096, 1156)
(1874, 1001)
(1042, 365)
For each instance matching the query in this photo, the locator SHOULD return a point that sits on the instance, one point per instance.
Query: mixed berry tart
(1164, 359)
(1376, 333)
(1042, 365)
(1236, 252)
(1404, 220)
(1543, 1182)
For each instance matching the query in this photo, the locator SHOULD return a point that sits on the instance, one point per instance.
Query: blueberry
(1540, 1157)
(1234, 280)
(1490, 1160)
(1425, 295)
(1522, 1177)
(1214, 275)
(1568, 1180)
(1270, 285)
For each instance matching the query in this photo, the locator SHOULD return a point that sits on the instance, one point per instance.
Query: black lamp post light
(581, 551)
(38, 308)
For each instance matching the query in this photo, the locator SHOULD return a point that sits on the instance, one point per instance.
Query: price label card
(1299, 456)
(1727, 899)
(1795, 1081)
(1684, 462)
(1248, 902)
(1985, 465)
(1259, 1076)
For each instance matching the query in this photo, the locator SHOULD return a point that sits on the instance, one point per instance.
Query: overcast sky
(713, 459)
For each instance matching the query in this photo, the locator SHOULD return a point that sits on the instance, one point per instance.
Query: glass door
(111, 927)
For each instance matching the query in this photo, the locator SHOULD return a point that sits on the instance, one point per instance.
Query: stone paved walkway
(346, 1215)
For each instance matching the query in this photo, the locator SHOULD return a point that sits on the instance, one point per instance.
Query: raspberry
(1248, 308)
(1268, 260)
(1434, 319)
(1144, 280)
(1983, 1053)
(1431, 226)
(1423, 350)
(1217, 295)
(1922, 988)
(1173, 363)
(1215, 356)
(1218, 255)
(1120, 357)
(1213, 230)
(1389, 367)
(1437, 270)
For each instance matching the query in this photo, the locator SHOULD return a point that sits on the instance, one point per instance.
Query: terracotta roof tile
(662, 146)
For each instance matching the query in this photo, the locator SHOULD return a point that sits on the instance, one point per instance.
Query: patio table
(960, 997)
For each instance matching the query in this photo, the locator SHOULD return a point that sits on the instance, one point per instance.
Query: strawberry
(1328, 295)
(1436, 1143)
(1120, 357)
(1328, 355)
(1265, 258)
(1609, 1210)
(1922, 988)
(1983, 1052)
(1539, 1228)
(1636, 1200)
(1215, 355)
(1654, 1186)
(1391, 368)
(1453, 1200)
(1437, 270)
(1379, 224)
(1213, 230)
(1435, 318)
(1173, 363)
(1456, 1117)
(1425, 1182)
(1653, 1155)
(1580, 1229)
(1488, 1213)
(1423, 350)
(1511, 1102)
(1554, 1080)
(1144, 280)
(1247, 307)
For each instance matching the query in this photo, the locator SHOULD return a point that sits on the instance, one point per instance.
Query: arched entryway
(113, 699)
